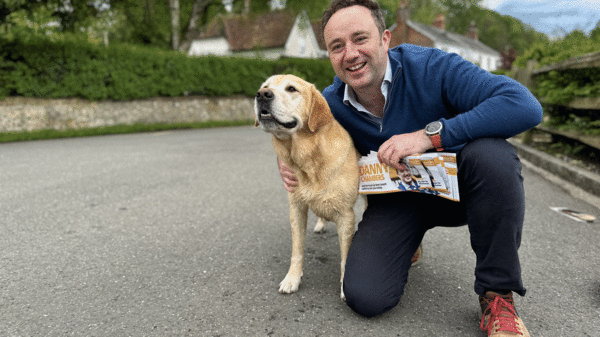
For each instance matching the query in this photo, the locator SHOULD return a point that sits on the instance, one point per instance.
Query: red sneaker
(417, 257)
(500, 319)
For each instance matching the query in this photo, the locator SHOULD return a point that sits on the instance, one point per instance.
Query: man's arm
(486, 105)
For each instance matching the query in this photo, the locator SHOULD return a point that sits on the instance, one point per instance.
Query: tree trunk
(175, 23)
(192, 30)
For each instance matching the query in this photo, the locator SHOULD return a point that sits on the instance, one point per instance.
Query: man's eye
(291, 89)
(336, 47)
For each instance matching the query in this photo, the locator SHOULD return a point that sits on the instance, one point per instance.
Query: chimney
(440, 22)
(402, 18)
(403, 13)
(473, 31)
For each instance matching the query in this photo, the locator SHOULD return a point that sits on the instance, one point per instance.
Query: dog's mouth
(266, 116)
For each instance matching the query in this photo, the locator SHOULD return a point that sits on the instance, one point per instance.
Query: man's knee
(368, 301)
(490, 153)
(492, 159)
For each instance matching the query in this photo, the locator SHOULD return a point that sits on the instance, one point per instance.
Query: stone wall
(27, 114)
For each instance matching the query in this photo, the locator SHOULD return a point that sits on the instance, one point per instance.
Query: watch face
(434, 127)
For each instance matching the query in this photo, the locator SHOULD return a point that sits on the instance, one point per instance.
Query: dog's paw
(321, 226)
(290, 284)
(342, 296)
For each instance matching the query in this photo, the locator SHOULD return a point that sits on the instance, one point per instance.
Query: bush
(574, 44)
(558, 88)
(75, 68)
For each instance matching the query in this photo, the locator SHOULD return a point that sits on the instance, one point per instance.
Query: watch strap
(436, 140)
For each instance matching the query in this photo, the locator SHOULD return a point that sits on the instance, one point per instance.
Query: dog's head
(285, 104)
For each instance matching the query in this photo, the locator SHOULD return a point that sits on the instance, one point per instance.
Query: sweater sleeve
(487, 105)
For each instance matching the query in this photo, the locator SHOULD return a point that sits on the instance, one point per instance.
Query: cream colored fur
(310, 141)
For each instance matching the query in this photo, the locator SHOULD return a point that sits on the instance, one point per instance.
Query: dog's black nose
(264, 94)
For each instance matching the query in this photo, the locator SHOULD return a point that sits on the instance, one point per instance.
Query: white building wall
(217, 47)
(485, 61)
(302, 41)
(265, 54)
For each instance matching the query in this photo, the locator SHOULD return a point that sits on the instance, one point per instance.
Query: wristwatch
(433, 130)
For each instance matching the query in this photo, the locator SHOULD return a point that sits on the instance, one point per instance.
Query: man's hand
(394, 149)
(288, 176)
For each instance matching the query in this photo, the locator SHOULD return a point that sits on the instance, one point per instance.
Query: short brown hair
(372, 5)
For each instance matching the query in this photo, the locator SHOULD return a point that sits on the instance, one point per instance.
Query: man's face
(357, 52)
(404, 174)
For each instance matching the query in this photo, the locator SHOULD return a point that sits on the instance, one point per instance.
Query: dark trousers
(492, 204)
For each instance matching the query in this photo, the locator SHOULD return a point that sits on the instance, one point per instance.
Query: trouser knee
(367, 301)
(493, 159)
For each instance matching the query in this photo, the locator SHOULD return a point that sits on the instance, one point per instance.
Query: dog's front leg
(345, 229)
(298, 217)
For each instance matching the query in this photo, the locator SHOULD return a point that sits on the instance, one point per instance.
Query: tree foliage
(496, 30)
(148, 22)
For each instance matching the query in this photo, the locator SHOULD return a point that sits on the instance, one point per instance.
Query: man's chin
(359, 82)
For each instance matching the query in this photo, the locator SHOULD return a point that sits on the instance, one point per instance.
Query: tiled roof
(246, 32)
(451, 38)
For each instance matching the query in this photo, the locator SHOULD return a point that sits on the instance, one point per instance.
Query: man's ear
(320, 114)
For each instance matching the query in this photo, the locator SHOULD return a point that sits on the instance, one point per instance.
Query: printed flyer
(432, 173)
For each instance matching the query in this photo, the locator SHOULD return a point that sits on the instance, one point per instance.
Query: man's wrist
(426, 140)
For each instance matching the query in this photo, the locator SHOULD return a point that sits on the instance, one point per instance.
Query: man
(406, 181)
(409, 100)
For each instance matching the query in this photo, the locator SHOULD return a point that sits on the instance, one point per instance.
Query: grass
(6, 137)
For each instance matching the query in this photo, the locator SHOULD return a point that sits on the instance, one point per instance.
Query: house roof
(316, 26)
(450, 38)
(246, 32)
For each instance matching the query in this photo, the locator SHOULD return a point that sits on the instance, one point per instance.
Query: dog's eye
(291, 89)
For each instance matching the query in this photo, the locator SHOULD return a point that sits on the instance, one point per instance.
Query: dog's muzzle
(264, 98)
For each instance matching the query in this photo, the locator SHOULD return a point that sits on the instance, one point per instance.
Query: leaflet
(432, 173)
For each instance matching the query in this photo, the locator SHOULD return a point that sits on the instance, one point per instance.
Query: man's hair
(372, 5)
(404, 163)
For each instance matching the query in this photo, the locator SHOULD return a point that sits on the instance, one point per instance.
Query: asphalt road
(186, 233)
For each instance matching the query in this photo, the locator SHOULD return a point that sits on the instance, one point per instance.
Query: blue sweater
(428, 85)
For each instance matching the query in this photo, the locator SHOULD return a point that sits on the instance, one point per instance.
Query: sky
(552, 17)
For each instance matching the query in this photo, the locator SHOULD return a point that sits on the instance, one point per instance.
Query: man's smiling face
(357, 51)
(404, 174)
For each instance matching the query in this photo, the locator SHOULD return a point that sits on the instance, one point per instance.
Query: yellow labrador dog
(309, 140)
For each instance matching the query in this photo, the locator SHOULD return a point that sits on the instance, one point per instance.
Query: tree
(198, 9)
(7, 7)
(595, 33)
(175, 23)
(496, 30)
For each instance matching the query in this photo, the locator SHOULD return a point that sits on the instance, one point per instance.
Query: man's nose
(352, 51)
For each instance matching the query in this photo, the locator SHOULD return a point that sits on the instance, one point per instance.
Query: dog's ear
(320, 114)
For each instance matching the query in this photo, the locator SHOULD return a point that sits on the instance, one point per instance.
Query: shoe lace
(503, 312)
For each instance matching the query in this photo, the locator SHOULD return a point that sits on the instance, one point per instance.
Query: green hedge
(50, 69)
(561, 87)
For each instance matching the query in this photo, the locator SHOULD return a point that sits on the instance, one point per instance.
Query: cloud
(550, 16)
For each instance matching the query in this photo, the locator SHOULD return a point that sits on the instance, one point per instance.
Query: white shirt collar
(350, 95)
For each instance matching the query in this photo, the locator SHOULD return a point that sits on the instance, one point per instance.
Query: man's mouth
(357, 67)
